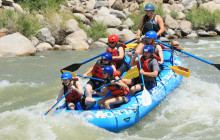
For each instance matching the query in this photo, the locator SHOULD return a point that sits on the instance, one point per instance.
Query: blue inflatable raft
(126, 115)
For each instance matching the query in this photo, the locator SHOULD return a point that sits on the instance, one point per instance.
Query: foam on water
(190, 112)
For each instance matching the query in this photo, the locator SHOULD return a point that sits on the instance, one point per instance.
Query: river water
(29, 85)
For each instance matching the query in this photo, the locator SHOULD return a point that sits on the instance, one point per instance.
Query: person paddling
(150, 69)
(150, 22)
(96, 71)
(119, 90)
(117, 49)
(149, 39)
(74, 97)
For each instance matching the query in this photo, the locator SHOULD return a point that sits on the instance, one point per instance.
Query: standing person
(119, 90)
(150, 22)
(96, 70)
(149, 39)
(70, 83)
(150, 69)
(117, 50)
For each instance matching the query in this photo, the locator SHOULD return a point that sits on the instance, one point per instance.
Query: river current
(29, 85)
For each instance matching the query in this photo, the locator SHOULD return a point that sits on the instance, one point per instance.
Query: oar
(146, 97)
(196, 57)
(76, 66)
(180, 70)
(74, 75)
(132, 73)
(58, 102)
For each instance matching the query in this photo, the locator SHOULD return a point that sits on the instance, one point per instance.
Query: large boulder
(15, 45)
(44, 35)
(185, 27)
(171, 23)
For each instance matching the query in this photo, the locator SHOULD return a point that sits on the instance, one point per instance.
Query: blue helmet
(66, 75)
(149, 7)
(107, 56)
(108, 69)
(148, 49)
(151, 34)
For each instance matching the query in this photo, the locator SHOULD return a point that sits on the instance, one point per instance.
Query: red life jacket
(144, 65)
(73, 95)
(97, 69)
(117, 90)
(114, 51)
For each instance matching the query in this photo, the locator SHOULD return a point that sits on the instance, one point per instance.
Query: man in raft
(150, 69)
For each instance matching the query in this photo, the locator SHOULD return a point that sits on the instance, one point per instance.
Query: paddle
(58, 102)
(180, 70)
(146, 97)
(216, 65)
(76, 66)
(74, 75)
(132, 73)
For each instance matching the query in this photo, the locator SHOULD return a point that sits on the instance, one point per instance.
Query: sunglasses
(111, 42)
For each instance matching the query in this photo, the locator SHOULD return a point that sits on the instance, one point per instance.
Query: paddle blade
(72, 67)
(217, 66)
(73, 74)
(146, 98)
(181, 70)
(132, 73)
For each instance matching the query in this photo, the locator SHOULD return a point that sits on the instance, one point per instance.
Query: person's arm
(121, 54)
(134, 60)
(102, 93)
(85, 74)
(78, 88)
(58, 98)
(160, 53)
(113, 66)
(161, 25)
(139, 28)
(150, 74)
(120, 83)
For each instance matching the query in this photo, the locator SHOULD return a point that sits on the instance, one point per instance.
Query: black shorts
(95, 84)
(148, 84)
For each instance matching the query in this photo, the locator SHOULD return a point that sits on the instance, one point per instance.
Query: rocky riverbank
(114, 14)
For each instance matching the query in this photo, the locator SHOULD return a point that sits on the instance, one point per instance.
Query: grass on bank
(201, 18)
(26, 24)
(36, 5)
(96, 31)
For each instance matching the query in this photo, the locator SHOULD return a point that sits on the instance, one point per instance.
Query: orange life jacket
(73, 95)
(144, 65)
(117, 90)
(97, 69)
(114, 51)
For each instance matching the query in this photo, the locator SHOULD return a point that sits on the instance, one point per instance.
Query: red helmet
(113, 38)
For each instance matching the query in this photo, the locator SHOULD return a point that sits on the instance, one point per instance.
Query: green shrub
(96, 31)
(201, 18)
(36, 5)
(174, 14)
(159, 10)
(26, 24)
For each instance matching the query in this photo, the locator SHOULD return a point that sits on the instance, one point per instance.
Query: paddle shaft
(58, 102)
(142, 76)
(107, 85)
(91, 78)
(186, 53)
